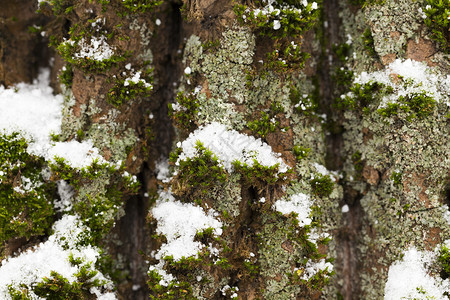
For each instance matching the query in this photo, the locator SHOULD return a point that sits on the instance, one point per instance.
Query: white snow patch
(179, 223)
(76, 154)
(419, 77)
(66, 193)
(298, 203)
(97, 49)
(230, 145)
(345, 209)
(32, 266)
(162, 169)
(409, 278)
(34, 112)
(312, 268)
(276, 24)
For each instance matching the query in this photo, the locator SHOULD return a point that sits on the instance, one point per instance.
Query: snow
(179, 223)
(419, 76)
(230, 145)
(345, 209)
(312, 268)
(66, 193)
(97, 49)
(33, 111)
(135, 79)
(409, 278)
(162, 170)
(76, 154)
(299, 204)
(276, 24)
(32, 266)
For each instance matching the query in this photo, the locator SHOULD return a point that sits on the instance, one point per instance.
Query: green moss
(357, 161)
(322, 186)
(444, 262)
(437, 19)
(294, 18)
(201, 172)
(67, 50)
(369, 43)
(140, 6)
(417, 105)
(26, 208)
(301, 152)
(363, 95)
(257, 173)
(100, 189)
(59, 6)
(303, 103)
(66, 76)
(58, 287)
(285, 58)
(186, 111)
(267, 121)
(125, 90)
(174, 290)
(396, 177)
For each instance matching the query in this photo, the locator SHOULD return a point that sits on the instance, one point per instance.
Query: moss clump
(444, 262)
(140, 6)
(289, 18)
(201, 172)
(303, 103)
(126, 89)
(67, 50)
(267, 121)
(369, 43)
(417, 104)
(26, 208)
(174, 290)
(100, 189)
(259, 174)
(58, 287)
(437, 14)
(362, 95)
(66, 76)
(184, 112)
(286, 57)
(301, 152)
(322, 185)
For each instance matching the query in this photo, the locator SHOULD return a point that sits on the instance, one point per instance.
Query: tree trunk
(295, 153)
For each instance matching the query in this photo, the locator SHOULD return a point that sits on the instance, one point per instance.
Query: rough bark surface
(390, 173)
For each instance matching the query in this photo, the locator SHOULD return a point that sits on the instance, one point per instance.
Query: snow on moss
(76, 154)
(34, 112)
(408, 77)
(299, 204)
(179, 223)
(33, 265)
(409, 278)
(312, 268)
(229, 146)
(96, 49)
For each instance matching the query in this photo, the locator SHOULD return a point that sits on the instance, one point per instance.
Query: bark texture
(391, 172)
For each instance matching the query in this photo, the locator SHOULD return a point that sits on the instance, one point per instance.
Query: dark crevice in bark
(134, 233)
(347, 236)
(134, 237)
(168, 71)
